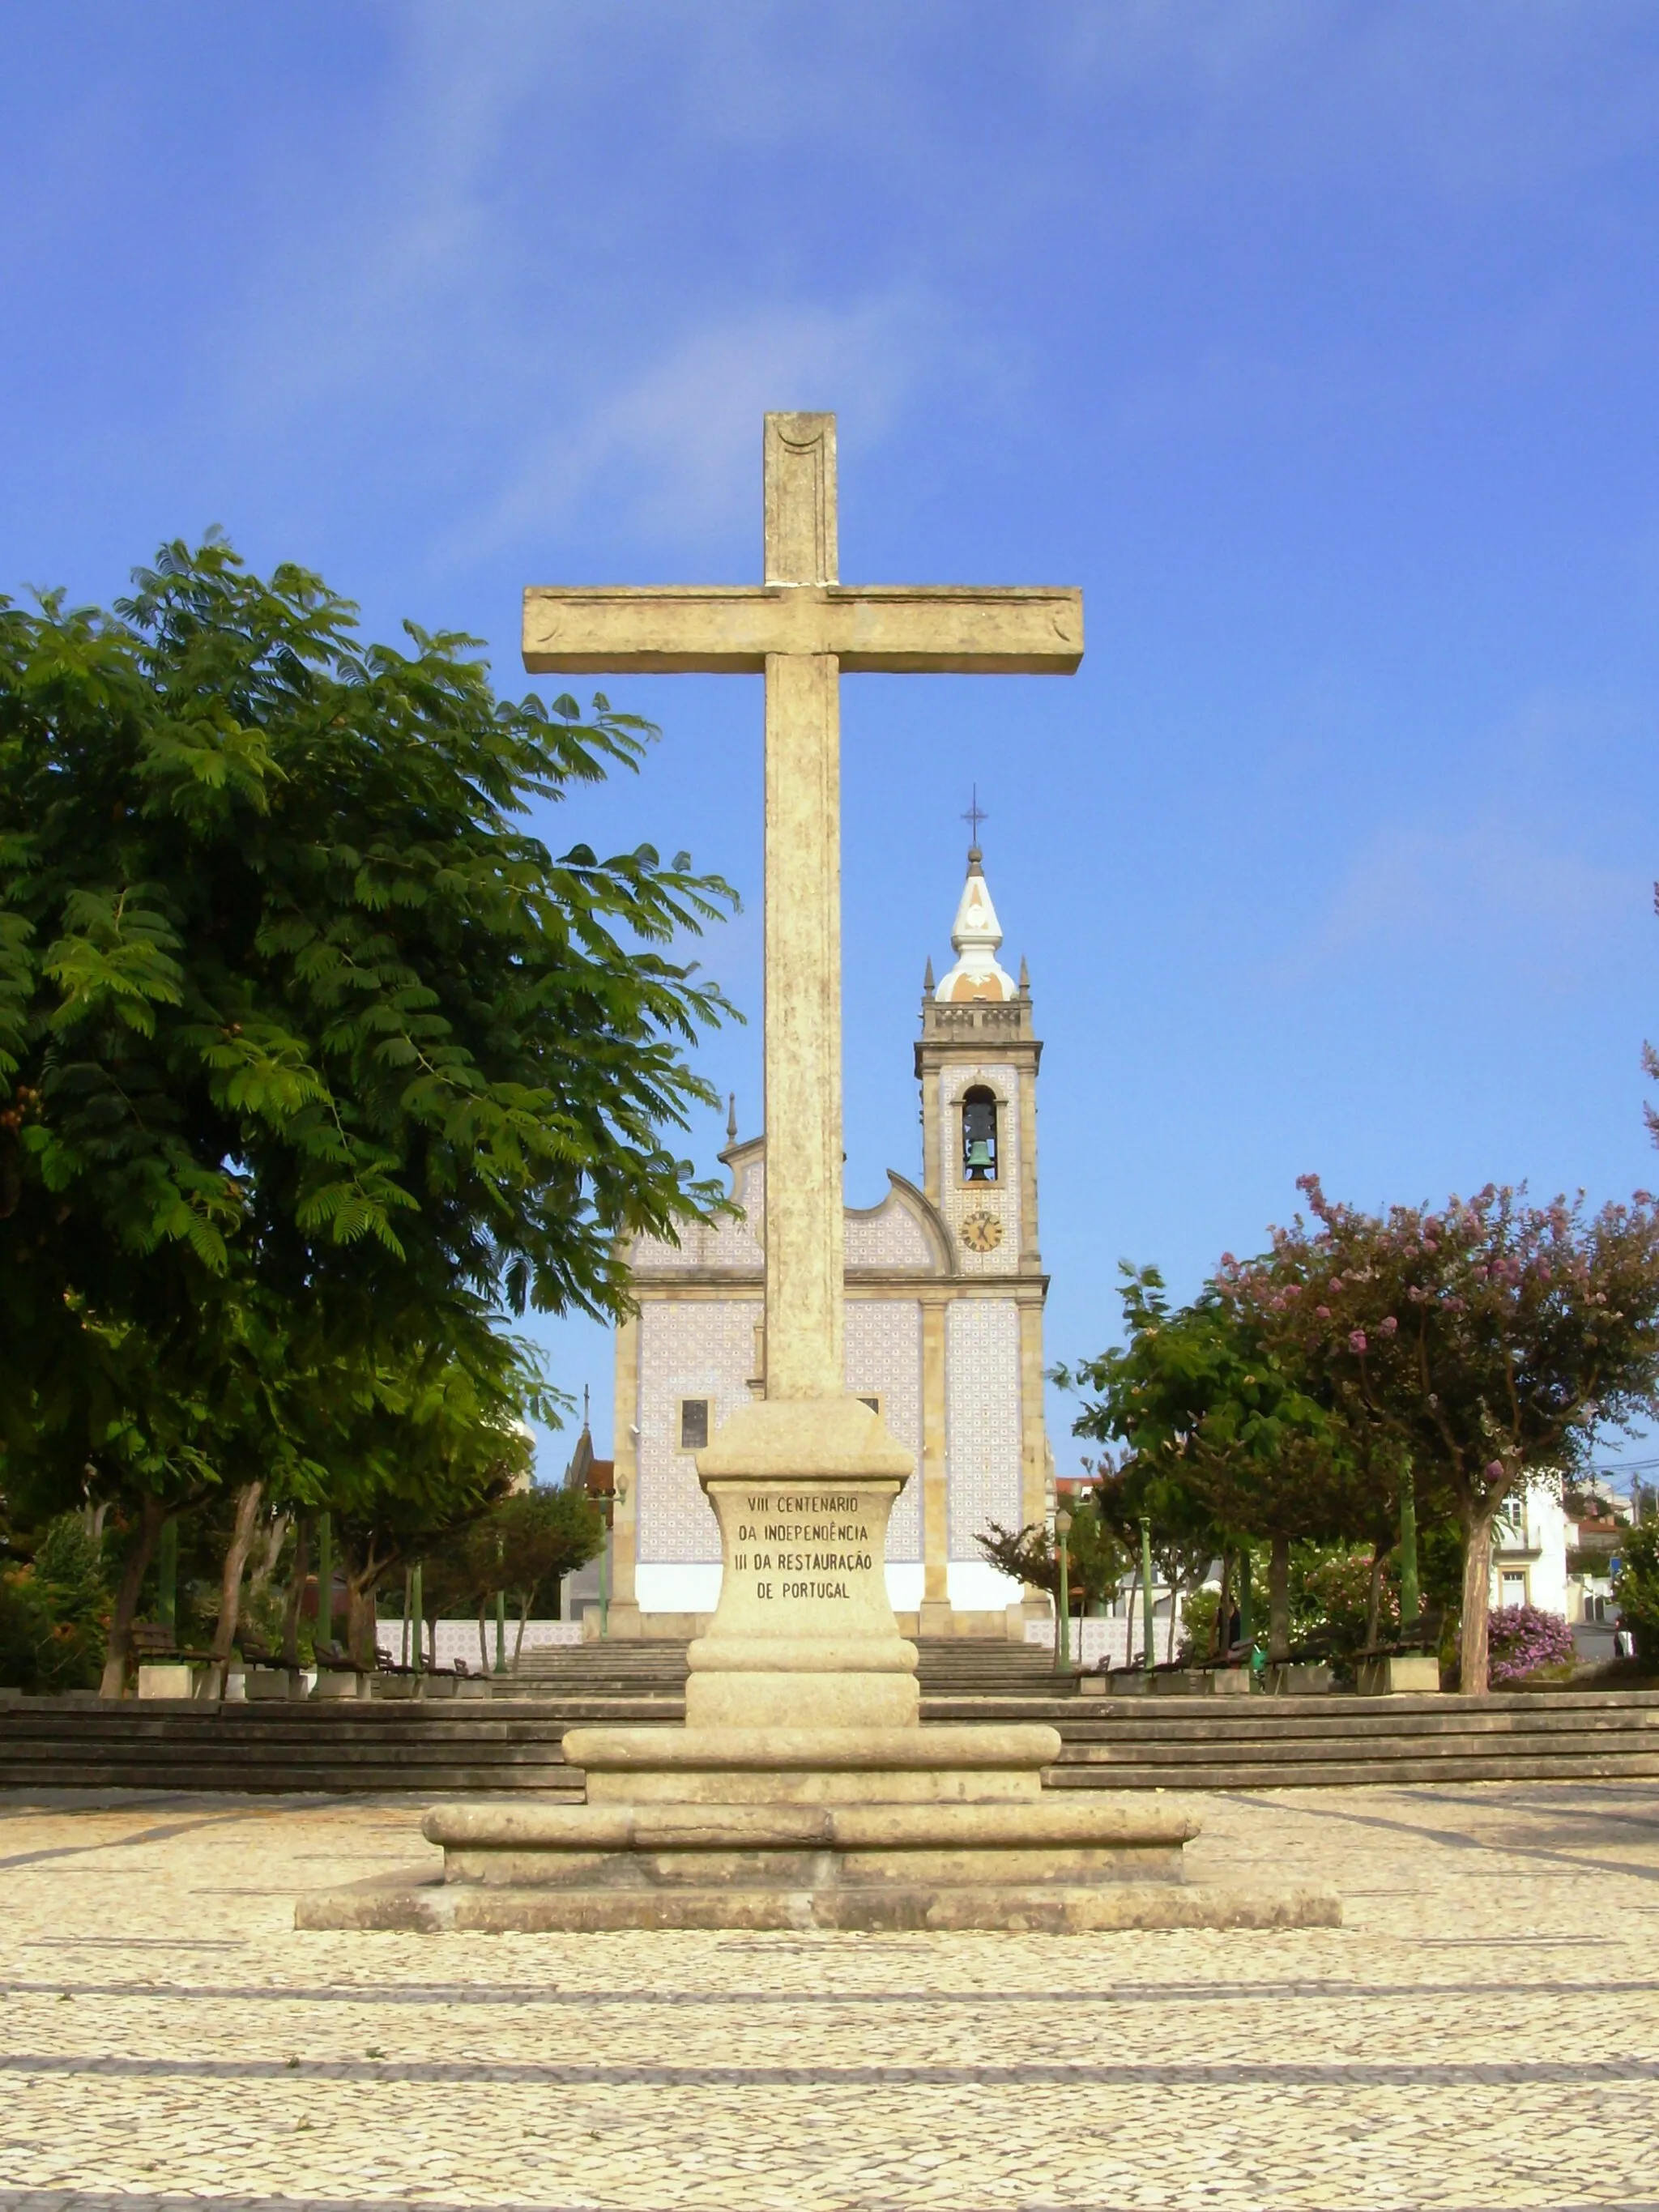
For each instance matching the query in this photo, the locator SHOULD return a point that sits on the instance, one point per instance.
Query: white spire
(975, 934)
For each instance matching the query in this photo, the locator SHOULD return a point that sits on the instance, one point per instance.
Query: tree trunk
(525, 1597)
(1174, 1592)
(483, 1647)
(1411, 1601)
(1279, 1601)
(1129, 1635)
(270, 1554)
(230, 1582)
(361, 1639)
(298, 1576)
(152, 1515)
(1477, 1595)
(1374, 1594)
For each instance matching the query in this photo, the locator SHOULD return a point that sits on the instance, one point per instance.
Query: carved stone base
(1065, 1867)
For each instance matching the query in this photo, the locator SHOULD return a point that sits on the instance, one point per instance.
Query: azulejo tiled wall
(891, 1236)
(982, 1419)
(697, 1348)
(883, 1355)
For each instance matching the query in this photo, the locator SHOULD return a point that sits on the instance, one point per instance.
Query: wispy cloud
(678, 444)
(1503, 893)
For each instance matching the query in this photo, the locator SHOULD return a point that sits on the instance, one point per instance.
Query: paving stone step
(240, 1777)
(1358, 1773)
(1472, 1746)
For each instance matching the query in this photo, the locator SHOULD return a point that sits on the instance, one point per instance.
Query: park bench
(267, 1674)
(152, 1646)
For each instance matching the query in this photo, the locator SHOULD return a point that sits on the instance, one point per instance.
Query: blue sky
(1316, 343)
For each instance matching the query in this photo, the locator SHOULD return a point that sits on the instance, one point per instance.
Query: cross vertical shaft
(804, 1234)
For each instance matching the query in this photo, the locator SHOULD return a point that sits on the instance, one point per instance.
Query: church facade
(943, 1330)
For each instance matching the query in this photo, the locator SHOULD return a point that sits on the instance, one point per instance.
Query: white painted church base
(685, 1592)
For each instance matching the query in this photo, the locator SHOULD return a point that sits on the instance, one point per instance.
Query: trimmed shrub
(54, 1612)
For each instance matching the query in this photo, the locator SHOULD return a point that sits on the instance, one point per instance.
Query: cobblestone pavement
(1482, 2032)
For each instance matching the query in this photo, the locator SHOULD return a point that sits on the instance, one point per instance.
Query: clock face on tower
(982, 1232)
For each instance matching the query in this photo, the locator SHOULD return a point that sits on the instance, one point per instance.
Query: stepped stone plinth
(804, 1789)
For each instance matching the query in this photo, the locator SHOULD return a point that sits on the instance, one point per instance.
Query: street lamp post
(1063, 1641)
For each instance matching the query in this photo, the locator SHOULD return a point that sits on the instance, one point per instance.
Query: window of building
(1515, 1589)
(694, 1424)
(979, 1135)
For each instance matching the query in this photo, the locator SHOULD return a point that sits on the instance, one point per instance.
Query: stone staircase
(964, 1667)
(365, 1745)
(647, 1668)
(1287, 1743)
(513, 1741)
(948, 1667)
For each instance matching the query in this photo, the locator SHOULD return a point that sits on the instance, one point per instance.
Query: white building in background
(1529, 1551)
(944, 1298)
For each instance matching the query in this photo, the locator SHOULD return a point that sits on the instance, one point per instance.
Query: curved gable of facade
(904, 1234)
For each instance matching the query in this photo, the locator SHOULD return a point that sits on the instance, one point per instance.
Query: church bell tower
(976, 1061)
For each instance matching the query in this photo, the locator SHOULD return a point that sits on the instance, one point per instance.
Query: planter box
(274, 1682)
(1413, 1671)
(1290, 1679)
(472, 1686)
(330, 1684)
(1129, 1682)
(1204, 1682)
(437, 1686)
(1091, 1686)
(391, 1686)
(167, 1678)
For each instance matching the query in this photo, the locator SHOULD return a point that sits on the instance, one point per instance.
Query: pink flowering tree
(1491, 1339)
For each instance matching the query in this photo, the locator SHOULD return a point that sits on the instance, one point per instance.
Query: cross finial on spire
(974, 816)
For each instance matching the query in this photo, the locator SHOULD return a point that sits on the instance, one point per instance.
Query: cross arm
(951, 630)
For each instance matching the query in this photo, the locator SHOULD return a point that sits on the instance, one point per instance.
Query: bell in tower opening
(979, 1135)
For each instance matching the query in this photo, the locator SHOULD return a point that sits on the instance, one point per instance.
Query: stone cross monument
(803, 1482)
(804, 1789)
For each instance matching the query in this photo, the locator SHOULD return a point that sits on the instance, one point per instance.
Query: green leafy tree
(540, 1536)
(1636, 1586)
(313, 1058)
(1489, 1340)
(430, 1448)
(1226, 1439)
